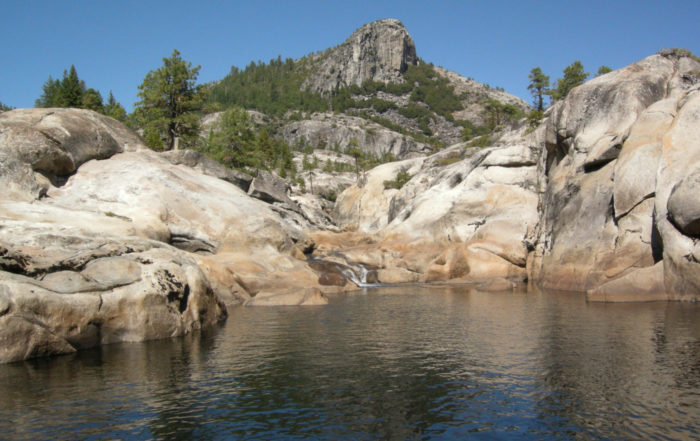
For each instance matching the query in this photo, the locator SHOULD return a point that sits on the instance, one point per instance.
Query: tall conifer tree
(169, 100)
(538, 87)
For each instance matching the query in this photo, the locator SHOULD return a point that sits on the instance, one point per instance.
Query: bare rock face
(327, 130)
(208, 166)
(379, 51)
(465, 215)
(619, 179)
(290, 297)
(365, 205)
(40, 148)
(602, 197)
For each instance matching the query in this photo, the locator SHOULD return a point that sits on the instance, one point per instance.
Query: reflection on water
(391, 363)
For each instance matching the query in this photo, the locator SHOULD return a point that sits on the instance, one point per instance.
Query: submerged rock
(290, 297)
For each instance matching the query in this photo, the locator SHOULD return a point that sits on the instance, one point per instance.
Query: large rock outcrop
(43, 147)
(465, 215)
(621, 153)
(130, 244)
(378, 51)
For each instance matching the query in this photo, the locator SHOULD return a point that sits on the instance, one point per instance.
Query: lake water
(389, 363)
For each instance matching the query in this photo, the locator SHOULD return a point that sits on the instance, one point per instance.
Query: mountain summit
(378, 51)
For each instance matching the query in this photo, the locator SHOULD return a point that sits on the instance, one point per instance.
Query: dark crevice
(657, 245)
(596, 165)
(12, 262)
(56, 181)
(619, 216)
(611, 210)
(191, 244)
(184, 299)
(514, 164)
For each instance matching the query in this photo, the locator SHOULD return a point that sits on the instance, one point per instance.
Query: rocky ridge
(381, 52)
(378, 51)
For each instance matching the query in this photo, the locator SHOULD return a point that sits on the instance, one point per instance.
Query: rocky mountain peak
(379, 51)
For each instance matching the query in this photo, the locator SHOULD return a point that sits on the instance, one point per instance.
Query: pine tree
(50, 94)
(231, 141)
(169, 100)
(72, 89)
(92, 100)
(538, 87)
(113, 109)
(574, 75)
(602, 70)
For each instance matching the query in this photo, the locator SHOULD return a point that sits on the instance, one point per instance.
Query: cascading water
(356, 273)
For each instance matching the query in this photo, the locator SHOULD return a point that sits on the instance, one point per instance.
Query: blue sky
(113, 44)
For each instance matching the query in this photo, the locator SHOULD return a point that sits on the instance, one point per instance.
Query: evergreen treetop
(574, 75)
(170, 99)
(538, 87)
(70, 91)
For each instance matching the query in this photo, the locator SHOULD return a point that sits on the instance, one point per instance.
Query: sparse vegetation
(574, 75)
(329, 196)
(402, 177)
(447, 161)
(481, 141)
(533, 120)
(235, 143)
(497, 114)
(678, 52)
(602, 70)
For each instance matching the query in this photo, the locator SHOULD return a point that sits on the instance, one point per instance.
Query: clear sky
(113, 44)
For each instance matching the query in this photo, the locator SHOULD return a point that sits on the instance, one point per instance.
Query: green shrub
(329, 196)
(402, 177)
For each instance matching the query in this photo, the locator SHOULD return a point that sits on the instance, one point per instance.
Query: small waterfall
(356, 273)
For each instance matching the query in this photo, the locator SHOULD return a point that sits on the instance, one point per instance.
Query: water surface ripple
(392, 363)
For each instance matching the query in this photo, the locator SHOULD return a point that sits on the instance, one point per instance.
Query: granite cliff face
(621, 153)
(379, 51)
